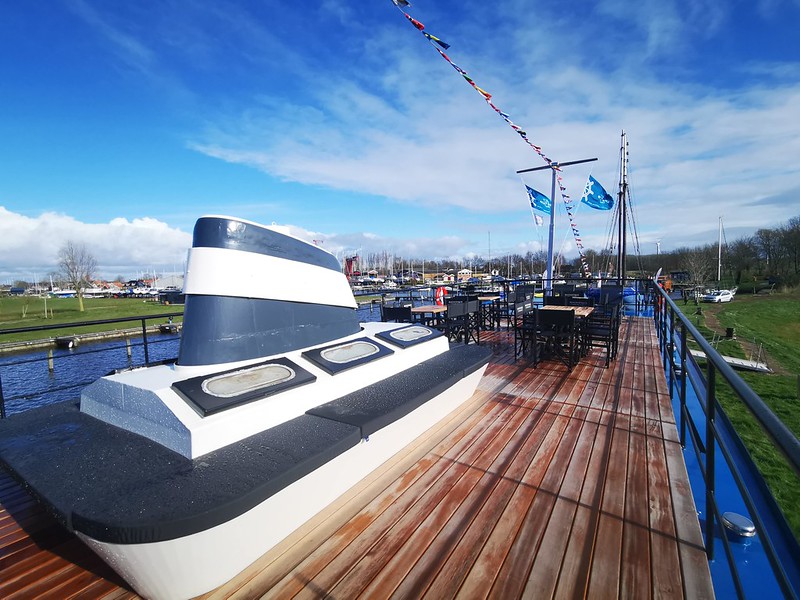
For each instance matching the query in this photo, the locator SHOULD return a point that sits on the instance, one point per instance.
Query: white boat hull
(195, 564)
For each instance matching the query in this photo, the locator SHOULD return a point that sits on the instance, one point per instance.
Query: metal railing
(717, 435)
(145, 344)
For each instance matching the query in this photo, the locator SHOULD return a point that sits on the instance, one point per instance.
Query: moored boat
(180, 476)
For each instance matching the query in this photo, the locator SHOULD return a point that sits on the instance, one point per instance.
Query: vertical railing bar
(683, 384)
(710, 454)
(2, 401)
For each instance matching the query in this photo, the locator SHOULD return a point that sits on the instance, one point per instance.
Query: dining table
(582, 313)
(429, 314)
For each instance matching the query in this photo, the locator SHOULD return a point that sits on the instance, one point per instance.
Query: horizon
(122, 126)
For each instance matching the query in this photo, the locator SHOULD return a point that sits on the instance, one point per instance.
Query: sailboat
(630, 294)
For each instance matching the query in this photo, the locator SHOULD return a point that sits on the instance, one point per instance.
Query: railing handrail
(778, 542)
(87, 323)
(783, 437)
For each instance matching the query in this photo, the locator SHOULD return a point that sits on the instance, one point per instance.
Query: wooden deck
(545, 484)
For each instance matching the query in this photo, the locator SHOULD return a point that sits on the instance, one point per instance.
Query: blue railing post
(683, 384)
(711, 415)
(2, 401)
(671, 352)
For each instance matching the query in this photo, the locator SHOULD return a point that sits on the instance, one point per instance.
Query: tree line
(770, 255)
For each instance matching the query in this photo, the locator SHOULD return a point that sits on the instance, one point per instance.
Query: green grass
(773, 321)
(18, 312)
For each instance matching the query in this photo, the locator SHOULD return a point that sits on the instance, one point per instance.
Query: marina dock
(546, 483)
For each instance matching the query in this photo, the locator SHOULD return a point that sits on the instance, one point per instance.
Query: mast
(553, 166)
(622, 271)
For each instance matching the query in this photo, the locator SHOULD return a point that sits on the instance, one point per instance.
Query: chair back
(400, 313)
(527, 290)
(580, 301)
(460, 298)
(563, 288)
(555, 300)
(557, 319)
(522, 308)
(610, 294)
(456, 309)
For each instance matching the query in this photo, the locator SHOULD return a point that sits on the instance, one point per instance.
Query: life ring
(441, 292)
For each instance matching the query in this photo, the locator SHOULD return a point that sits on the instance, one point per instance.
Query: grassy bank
(773, 324)
(18, 312)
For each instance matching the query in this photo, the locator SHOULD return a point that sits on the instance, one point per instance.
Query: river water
(28, 383)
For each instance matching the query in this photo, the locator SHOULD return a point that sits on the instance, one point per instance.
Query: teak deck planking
(546, 484)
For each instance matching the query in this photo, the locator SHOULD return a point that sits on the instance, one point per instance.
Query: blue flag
(596, 197)
(539, 201)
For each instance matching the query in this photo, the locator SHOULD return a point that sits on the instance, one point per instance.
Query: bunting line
(439, 45)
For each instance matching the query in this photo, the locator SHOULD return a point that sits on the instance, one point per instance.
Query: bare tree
(700, 265)
(77, 267)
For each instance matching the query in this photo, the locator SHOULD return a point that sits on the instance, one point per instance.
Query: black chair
(526, 327)
(558, 335)
(610, 295)
(563, 288)
(554, 300)
(602, 330)
(474, 325)
(524, 291)
(580, 301)
(455, 321)
(400, 313)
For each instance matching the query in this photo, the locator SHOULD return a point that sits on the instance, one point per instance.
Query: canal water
(28, 383)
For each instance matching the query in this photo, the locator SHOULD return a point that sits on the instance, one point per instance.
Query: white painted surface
(225, 272)
(143, 401)
(195, 564)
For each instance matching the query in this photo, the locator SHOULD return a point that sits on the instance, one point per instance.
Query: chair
(558, 335)
(554, 300)
(526, 327)
(580, 301)
(474, 325)
(602, 330)
(400, 313)
(455, 322)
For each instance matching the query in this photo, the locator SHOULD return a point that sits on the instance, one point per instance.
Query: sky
(122, 123)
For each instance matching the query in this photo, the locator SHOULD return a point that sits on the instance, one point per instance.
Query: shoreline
(80, 338)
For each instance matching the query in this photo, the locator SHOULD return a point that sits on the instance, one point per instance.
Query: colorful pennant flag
(596, 196)
(568, 203)
(433, 38)
(539, 201)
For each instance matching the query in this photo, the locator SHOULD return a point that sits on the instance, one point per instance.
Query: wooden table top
(429, 308)
(580, 311)
(489, 298)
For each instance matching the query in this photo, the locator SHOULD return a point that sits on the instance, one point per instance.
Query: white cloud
(693, 147)
(30, 245)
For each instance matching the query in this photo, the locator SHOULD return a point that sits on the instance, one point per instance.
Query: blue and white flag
(596, 196)
(539, 201)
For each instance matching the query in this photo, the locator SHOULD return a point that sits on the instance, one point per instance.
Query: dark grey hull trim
(221, 329)
(220, 232)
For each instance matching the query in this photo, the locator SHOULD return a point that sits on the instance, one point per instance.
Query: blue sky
(121, 123)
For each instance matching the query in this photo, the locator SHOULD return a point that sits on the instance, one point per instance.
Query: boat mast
(621, 202)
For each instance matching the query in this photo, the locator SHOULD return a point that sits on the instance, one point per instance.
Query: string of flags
(439, 45)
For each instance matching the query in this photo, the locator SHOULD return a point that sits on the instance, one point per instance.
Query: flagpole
(553, 166)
